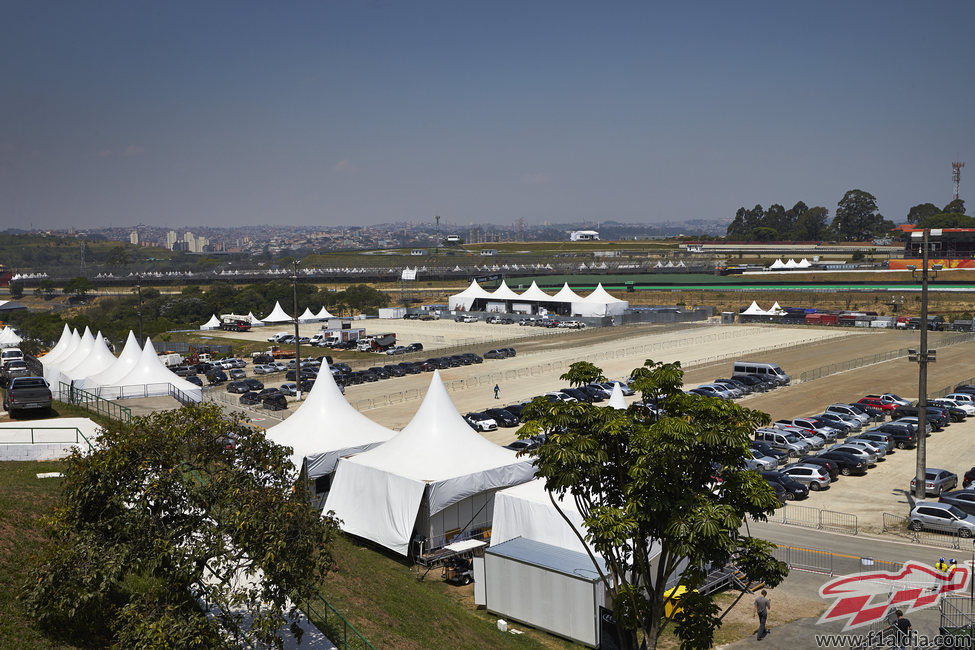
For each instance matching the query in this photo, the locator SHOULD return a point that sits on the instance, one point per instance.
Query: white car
(961, 398)
(562, 397)
(816, 477)
(481, 422)
(967, 407)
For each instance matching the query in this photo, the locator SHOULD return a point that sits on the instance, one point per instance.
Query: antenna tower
(956, 175)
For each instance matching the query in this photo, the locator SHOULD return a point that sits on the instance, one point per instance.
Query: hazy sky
(344, 112)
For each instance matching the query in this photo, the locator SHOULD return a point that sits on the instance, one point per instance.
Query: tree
(360, 298)
(857, 218)
(644, 478)
(16, 290)
(583, 373)
(46, 288)
(117, 257)
(921, 211)
(955, 207)
(78, 286)
(811, 225)
(159, 517)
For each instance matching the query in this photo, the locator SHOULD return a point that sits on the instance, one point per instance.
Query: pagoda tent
(326, 427)
(100, 358)
(212, 324)
(776, 310)
(616, 400)
(436, 475)
(803, 264)
(51, 366)
(9, 338)
(252, 319)
(504, 292)
(534, 293)
(323, 314)
(122, 366)
(59, 347)
(566, 294)
(791, 264)
(150, 378)
(754, 310)
(307, 316)
(777, 264)
(599, 303)
(465, 299)
(278, 315)
(53, 373)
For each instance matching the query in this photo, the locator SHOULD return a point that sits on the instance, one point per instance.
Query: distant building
(584, 235)
(171, 239)
(134, 238)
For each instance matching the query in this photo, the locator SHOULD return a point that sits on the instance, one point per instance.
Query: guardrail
(809, 517)
(213, 394)
(40, 439)
(815, 560)
(897, 524)
(340, 632)
(70, 394)
(180, 396)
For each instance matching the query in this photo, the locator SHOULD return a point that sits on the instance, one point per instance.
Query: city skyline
(327, 114)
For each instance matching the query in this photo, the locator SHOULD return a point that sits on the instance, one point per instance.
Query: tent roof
(9, 337)
(791, 264)
(150, 370)
(326, 425)
(777, 264)
(307, 316)
(277, 315)
(776, 310)
(123, 365)
(59, 347)
(323, 314)
(803, 264)
(504, 292)
(71, 346)
(754, 310)
(213, 323)
(79, 353)
(253, 319)
(535, 293)
(473, 291)
(601, 295)
(616, 398)
(566, 294)
(99, 359)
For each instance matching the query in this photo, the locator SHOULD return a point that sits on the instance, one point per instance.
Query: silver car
(814, 476)
(861, 453)
(937, 481)
(815, 440)
(912, 421)
(874, 447)
(941, 517)
(878, 438)
(759, 461)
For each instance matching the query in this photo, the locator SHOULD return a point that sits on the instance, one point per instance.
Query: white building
(134, 237)
(584, 235)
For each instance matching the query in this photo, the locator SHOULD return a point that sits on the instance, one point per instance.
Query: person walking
(902, 631)
(497, 389)
(762, 606)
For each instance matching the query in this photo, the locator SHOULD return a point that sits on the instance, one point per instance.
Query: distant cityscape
(275, 238)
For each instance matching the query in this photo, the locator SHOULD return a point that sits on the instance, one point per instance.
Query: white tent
(437, 461)
(791, 264)
(99, 358)
(323, 314)
(535, 293)
(777, 264)
(566, 294)
(150, 378)
(504, 292)
(212, 324)
(126, 361)
(526, 511)
(307, 316)
(466, 298)
(51, 366)
(616, 399)
(278, 315)
(253, 320)
(754, 310)
(326, 427)
(59, 347)
(76, 355)
(599, 303)
(803, 264)
(776, 310)
(9, 338)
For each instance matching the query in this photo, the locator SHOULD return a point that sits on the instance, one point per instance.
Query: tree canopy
(800, 222)
(857, 218)
(951, 216)
(161, 517)
(668, 474)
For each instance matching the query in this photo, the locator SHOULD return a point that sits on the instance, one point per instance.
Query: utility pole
(436, 247)
(922, 357)
(138, 286)
(294, 287)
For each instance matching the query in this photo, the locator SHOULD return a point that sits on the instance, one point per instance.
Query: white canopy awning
(122, 366)
(754, 310)
(535, 293)
(97, 360)
(59, 347)
(377, 494)
(307, 316)
(777, 264)
(504, 292)
(466, 298)
(323, 314)
(150, 378)
(212, 324)
(278, 315)
(253, 320)
(566, 294)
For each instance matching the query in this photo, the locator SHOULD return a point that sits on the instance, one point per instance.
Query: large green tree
(921, 211)
(812, 224)
(158, 526)
(645, 479)
(857, 218)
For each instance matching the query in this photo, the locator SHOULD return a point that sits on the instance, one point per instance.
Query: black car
(368, 375)
(579, 395)
(516, 409)
(267, 392)
(237, 387)
(411, 367)
(830, 466)
(196, 381)
(780, 493)
(380, 372)
(253, 384)
(453, 362)
(754, 383)
(962, 499)
(509, 351)
(902, 435)
(276, 402)
(522, 445)
(793, 488)
(495, 354)
(344, 367)
(936, 417)
(769, 450)
(766, 380)
(216, 377)
(250, 398)
(263, 358)
(395, 371)
(463, 359)
(968, 478)
(503, 417)
(848, 463)
(595, 394)
(954, 413)
(414, 347)
(184, 371)
(306, 373)
(473, 357)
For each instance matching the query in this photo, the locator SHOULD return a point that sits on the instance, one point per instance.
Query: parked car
(254, 384)
(877, 403)
(215, 377)
(878, 438)
(522, 445)
(237, 387)
(903, 436)
(193, 379)
(831, 466)
(713, 390)
(891, 398)
(937, 481)
(495, 354)
(768, 450)
(558, 396)
(756, 460)
(969, 478)
(395, 371)
(913, 423)
(289, 389)
(787, 442)
(502, 417)
(812, 476)
(955, 412)
(794, 489)
(576, 394)
(867, 456)
(879, 449)
(754, 383)
(964, 500)
(627, 391)
(942, 517)
(848, 463)
(849, 411)
(839, 421)
(967, 406)
(962, 398)
(275, 402)
(481, 421)
(595, 394)
(249, 398)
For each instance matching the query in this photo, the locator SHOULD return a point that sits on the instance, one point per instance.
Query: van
(784, 440)
(10, 354)
(769, 370)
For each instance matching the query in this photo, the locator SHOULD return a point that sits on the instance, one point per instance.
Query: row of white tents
(791, 264)
(597, 303)
(434, 476)
(277, 315)
(85, 362)
(9, 338)
(754, 310)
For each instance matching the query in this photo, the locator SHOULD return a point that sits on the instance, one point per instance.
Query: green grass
(24, 499)
(382, 598)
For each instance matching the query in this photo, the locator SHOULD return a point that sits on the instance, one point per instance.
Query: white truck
(10, 354)
(171, 360)
(333, 337)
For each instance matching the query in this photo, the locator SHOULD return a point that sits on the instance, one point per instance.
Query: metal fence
(70, 394)
(43, 435)
(958, 618)
(213, 394)
(830, 520)
(181, 347)
(897, 525)
(815, 560)
(334, 626)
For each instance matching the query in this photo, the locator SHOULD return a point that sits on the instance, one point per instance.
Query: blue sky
(340, 112)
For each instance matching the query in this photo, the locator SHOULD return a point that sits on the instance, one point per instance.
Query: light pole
(922, 356)
(294, 287)
(138, 287)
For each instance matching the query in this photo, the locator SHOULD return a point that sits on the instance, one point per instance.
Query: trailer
(333, 336)
(171, 359)
(377, 343)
